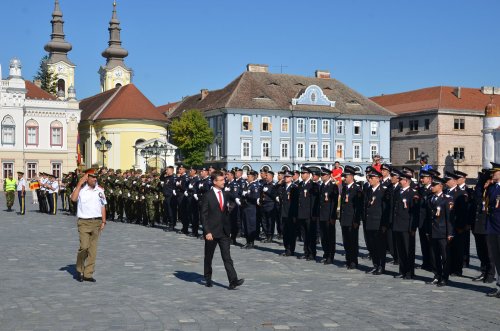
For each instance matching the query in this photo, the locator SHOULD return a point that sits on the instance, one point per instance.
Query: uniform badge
(305, 193)
(438, 211)
(326, 196)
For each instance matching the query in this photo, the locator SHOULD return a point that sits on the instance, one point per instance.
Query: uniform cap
(305, 170)
(385, 166)
(325, 171)
(271, 173)
(20, 173)
(91, 172)
(408, 170)
(438, 180)
(460, 174)
(425, 173)
(374, 173)
(287, 174)
(449, 175)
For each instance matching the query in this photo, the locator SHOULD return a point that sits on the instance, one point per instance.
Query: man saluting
(217, 227)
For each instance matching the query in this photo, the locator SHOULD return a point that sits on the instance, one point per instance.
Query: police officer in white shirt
(52, 188)
(91, 212)
(43, 193)
(21, 192)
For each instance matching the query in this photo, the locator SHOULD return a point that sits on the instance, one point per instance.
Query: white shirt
(90, 202)
(21, 183)
(43, 181)
(216, 190)
(54, 187)
(375, 188)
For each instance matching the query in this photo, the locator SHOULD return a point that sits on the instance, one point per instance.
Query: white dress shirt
(90, 202)
(216, 190)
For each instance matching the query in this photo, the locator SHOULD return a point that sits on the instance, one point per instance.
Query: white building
(38, 132)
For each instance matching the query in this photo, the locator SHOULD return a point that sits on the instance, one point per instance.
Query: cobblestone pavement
(149, 279)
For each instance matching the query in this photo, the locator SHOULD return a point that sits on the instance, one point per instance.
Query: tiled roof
(34, 92)
(435, 98)
(166, 109)
(261, 90)
(124, 102)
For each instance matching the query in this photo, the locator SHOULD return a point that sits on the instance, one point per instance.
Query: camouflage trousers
(10, 196)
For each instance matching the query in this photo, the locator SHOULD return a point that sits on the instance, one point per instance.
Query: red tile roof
(34, 92)
(166, 109)
(124, 102)
(434, 98)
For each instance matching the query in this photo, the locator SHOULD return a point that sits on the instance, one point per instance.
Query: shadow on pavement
(194, 277)
(70, 269)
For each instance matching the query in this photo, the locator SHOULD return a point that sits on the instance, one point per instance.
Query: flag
(78, 152)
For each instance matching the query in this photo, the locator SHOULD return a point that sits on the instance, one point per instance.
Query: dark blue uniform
(169, 217)
(351, 211)
(267, 204)
(251, 195)
(288, 207)
(234, 190)
(308, 193)
(328, 200)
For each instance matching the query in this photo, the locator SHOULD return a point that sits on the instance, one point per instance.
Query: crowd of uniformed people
(306, 205)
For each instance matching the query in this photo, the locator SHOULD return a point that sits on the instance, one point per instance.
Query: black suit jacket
(214, 220)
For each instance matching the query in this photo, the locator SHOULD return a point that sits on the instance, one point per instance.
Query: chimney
(325, 74)
(38, 83)
(257, 68)
(204, 93)
(458, 92)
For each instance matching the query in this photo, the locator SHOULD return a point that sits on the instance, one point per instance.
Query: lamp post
(103, 145)
(156, 150)
(146, 154)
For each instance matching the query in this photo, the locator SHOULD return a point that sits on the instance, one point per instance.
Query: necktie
(220, 200)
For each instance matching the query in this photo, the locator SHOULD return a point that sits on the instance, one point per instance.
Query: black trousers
(425, 248)
(234, 216)
(328, 242)
(494, 251)
(22, 201)
(119, 207)
(268, 221)
(440, 258)
(350, 237)
(279, 222)
(457, 252)
(391, 245)
(308, 230)
(487, 266)
(168, 212)
(289, 233)
(52, 199)
(224, 246)
(62, 193)
(376, 246)
(405, 246)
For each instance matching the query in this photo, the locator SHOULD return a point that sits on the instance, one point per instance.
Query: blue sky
(177, 48)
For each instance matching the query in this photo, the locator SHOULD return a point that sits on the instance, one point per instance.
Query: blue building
(282, 121)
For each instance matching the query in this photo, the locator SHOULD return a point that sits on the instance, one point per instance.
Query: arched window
(139, 160)
(118, 85)
(32, 133)
(61, 85)
(285, 168)
(266, 168)
(246, 169)
(56, 133)
(8, 131)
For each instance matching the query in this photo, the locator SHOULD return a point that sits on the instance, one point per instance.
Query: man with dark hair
(327, 201)
(306, 220)
(288, 201)
(215, 210)
(168, 182)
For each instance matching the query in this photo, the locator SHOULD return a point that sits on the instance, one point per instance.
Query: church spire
(115, 53)
(58, 47)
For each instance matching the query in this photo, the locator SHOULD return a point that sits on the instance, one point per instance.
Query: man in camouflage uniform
(118, 194)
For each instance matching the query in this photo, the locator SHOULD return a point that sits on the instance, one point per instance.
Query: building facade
(282, 122)
(38, 131)
(443, 123)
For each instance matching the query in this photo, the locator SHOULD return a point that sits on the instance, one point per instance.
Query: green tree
(47, 78)
(192, 135)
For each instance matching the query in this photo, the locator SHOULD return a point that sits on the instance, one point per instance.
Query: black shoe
(479, 278)
(235, 284)
(209, 283)
(441, 283)
(489, 280)
(79, 277)
(245, 246)
(328, 261)
(371, 271)
(457, 274)
(301, 257)
(408, 277)
(286, 253)
(91, 279)
(433, 282)
(399, 276)
(494, 293)
(379, 271)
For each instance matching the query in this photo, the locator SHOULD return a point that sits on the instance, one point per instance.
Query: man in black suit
(215, 210)
(327, 201)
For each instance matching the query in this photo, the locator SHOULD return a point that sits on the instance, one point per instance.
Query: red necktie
(220, 200)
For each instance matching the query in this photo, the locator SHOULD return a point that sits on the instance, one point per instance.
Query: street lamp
(156, 151)
(103, 145)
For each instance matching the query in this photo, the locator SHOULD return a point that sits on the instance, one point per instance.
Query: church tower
(58, 49)
(115, 73)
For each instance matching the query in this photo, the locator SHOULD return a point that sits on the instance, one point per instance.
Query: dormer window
(266, 124)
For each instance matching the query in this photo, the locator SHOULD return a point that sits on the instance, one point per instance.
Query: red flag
(78, 152)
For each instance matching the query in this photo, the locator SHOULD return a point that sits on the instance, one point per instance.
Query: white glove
(128, 194)
(157, 196)
(201, 185)
(143, 184)
(178, 183)
(133, 183)
(120, 192)
(258, 201)
(148, 185)
(265, 189)
(116, 181)
(278, 199)
(162, 183)
(175, 193)
(190, 186)
(142, 197)
(136, 197)
(195, 196)
(238, 202)
(245, 193)
(110, 191)
(109, 178)
(186, 193)
(227, 189)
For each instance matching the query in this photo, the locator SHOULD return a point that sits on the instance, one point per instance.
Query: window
(8, 168)
(284, 125)
(31, 132)
(427, 124)
(356, 152)
(218, 150)
(313, 124)
(459, 153)
(266, 149)
(56, 130)
(8, 131)
(413, 154)
(374, 128)
(325, 125)
(284, 150)
(300, 150)
(340, 127)
(339, 151)
(373, 150)
(266, 124)
(400, 126)
(413, 125)
(61, 85)
(459, 124)
(245, 149)
(285, 168)
(219, 123)
(300, 125)
(357, 127)
(325, 151)
(31, 169)
(313, 150)
(56, 169)
(246, 124)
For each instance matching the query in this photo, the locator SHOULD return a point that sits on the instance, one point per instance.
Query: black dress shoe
(479, 278)
(433, 282)
(371, 271)
(353, 265)
(90, 279)
(301, 257)
(235, 284)
(408, 277)
(441, 283)
(489, 280)
(377, 272)
(79, 277)
(493, 293)
(328, 261)
(209, 283)
(399, 276)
